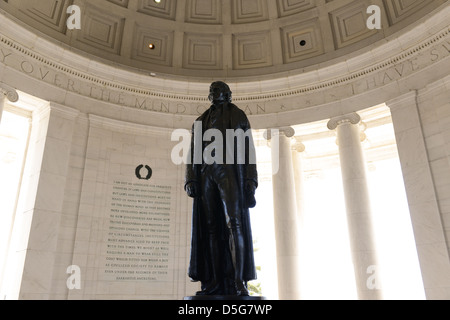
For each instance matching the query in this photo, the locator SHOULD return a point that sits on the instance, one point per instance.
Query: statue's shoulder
(203, 116)
(199, 119)
(236, 109)
(239, 112)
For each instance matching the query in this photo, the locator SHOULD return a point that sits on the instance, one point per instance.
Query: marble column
(358, 207)
(7, 93)
(285, 214)
(297, 150)
(418, 120)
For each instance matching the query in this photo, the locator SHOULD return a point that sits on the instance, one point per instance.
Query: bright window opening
(14, 134)
(326, 264)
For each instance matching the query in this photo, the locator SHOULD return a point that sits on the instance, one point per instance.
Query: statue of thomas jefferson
(223, 190)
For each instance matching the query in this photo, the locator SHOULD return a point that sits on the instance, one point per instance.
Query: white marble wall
(35, 238)
(114, 150)
(71, 203)
(73, 159)
(434, 111)
(425, 171)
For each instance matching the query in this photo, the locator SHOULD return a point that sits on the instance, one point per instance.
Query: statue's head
(219, 92)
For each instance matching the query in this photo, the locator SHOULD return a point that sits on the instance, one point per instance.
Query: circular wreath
(138, 172)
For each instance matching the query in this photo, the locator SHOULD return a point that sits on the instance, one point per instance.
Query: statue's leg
(230, 194)
(210, 199)
(238, 256)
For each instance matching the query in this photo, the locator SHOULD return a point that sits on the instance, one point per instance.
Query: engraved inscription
(360, 81)
(137, 246)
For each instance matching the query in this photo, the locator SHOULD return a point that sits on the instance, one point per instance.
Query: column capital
(289, 132)
(9, 92)
(297, 144)
(352, 118)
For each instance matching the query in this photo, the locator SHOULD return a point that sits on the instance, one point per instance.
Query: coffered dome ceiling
(228, 39)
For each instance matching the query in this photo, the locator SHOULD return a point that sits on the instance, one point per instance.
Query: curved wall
(92, 101)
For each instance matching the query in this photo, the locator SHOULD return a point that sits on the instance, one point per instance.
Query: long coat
(233, 118)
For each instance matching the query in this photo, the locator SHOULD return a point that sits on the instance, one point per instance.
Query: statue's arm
(191, 179)
(251, 173)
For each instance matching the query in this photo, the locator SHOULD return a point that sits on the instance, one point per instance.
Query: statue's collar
(218, 105)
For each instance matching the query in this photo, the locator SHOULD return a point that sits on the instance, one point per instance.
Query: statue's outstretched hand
(193, 189)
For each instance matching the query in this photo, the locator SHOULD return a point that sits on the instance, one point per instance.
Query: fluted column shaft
(285, 216)
(357, 201)
(297, 149)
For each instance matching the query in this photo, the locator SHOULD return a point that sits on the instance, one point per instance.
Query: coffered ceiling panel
(51, 13)
(401, 9)
(204, 11)
(252, 50)
(302, 40)
(122, 3)
(101, 30)
(164, 9)
(290, 7)
(349, 24)
(248, 11)
(218, 38)
(203, 51)
(152, 46)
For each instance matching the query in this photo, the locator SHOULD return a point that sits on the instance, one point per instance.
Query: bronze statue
(223, 188)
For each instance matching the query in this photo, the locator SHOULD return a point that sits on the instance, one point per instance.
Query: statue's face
(219, 92)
